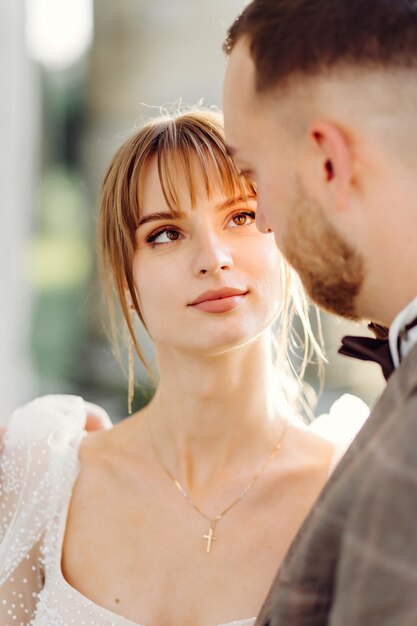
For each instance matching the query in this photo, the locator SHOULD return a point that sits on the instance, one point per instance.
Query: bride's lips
(219, 300)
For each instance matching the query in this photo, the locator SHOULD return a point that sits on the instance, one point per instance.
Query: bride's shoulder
(308, 450)
(52, 418)
(39, 434)
(123, 443)
(38, 462)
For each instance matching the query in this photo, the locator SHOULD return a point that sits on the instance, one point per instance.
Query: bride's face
(207, 280)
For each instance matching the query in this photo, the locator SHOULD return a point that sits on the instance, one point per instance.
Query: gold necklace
(213, 521)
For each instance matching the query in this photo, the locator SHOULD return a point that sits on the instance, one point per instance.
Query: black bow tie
(378, 349)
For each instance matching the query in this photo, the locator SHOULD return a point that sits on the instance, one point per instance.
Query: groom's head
(320, 104)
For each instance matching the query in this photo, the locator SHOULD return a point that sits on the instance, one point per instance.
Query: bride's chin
(221, 346)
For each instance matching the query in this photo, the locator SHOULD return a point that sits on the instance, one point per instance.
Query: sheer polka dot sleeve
(32, 465)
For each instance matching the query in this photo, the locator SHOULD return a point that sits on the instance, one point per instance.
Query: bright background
(77, 76)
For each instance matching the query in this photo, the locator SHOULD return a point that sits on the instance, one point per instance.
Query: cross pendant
(210, 538)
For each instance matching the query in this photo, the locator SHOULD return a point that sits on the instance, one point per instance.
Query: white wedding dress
(38, 468)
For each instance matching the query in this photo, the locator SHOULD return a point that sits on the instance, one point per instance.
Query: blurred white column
(18, 109)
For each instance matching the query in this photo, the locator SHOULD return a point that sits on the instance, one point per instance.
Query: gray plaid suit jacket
(354, 561)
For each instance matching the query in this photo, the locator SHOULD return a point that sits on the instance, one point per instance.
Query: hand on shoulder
(97, 419)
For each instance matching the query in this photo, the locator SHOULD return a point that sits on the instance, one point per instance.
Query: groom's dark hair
(305, 37)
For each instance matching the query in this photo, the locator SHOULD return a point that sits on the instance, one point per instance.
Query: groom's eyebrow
(230, 151)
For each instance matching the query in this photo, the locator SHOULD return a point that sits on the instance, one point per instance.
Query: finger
(97, 418)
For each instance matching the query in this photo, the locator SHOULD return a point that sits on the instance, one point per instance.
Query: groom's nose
(261, 223)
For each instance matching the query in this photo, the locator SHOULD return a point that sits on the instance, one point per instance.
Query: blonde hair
(187, 144)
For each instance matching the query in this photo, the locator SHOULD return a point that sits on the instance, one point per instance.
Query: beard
(331, 270)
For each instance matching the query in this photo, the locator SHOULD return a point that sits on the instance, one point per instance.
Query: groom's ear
(332, 164)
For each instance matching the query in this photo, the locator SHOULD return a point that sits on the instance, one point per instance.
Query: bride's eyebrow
(231, 201)
(180, 215)
(161, 215)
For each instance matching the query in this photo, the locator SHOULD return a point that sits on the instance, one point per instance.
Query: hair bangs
(192, 152)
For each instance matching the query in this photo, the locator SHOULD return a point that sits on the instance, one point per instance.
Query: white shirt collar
(404, 317)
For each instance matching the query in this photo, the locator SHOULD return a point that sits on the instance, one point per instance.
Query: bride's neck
(208, 411)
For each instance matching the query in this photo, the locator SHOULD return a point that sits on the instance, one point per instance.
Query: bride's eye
(242, 219)
(163, 235)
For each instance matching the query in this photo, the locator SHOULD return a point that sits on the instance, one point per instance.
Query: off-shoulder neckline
(113, 617)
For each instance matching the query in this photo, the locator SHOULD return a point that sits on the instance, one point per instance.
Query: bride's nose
(212, 255)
